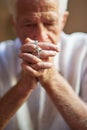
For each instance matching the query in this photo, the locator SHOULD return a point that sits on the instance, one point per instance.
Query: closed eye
(50, 23)
(29, 24)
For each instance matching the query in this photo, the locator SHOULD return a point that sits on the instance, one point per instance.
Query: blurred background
(77, 20)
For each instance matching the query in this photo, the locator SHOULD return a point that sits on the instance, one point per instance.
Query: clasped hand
(32, 64)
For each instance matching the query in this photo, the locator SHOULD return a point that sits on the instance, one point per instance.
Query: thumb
(28, 40)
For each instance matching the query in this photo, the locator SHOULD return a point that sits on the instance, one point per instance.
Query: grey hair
(63, 4)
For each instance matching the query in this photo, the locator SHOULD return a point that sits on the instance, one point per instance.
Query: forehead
(37, 6)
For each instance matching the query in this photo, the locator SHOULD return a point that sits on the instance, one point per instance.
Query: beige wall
(77, 20)
(6, 29)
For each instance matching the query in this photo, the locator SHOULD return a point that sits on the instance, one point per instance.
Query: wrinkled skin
(39, 20)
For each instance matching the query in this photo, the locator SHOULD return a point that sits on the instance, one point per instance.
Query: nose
(41, 33)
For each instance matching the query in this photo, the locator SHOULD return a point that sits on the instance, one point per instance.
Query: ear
(13, 21)
(64, 19)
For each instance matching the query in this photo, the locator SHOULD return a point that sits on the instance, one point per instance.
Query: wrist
(49, 77)
(26, 83)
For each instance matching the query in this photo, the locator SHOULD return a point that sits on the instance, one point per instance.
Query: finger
(48, 46)
(28, 48)
(28, 40)
(29, 58)
(29, 70)
(42, 65)
(46, 54)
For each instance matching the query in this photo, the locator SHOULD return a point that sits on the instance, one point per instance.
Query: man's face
(39, 20)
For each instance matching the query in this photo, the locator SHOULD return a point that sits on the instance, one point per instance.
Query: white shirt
(39, 113)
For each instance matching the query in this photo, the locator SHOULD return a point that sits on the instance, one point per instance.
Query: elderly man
(50, 102)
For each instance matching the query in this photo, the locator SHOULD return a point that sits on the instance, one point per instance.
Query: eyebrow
(50, 16)
(44, 16)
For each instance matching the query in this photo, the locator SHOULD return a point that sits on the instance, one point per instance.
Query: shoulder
(9, 50)
(73, 44)
(74, 36)
(74, 48)
(9, 45)
(75, 39)
(15, 42)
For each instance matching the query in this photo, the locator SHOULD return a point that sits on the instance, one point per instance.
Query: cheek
(23, 33)
(54, 34)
